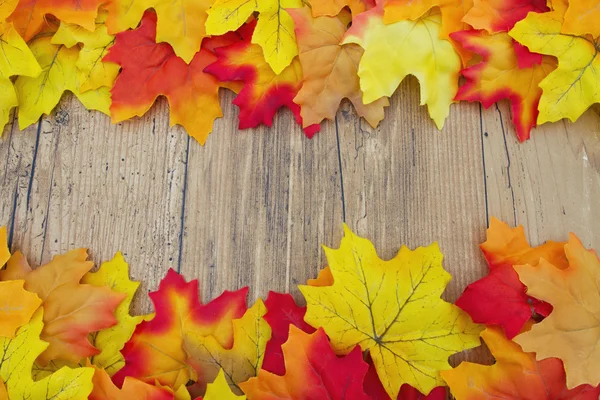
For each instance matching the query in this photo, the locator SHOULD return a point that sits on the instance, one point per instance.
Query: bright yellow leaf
(240, 362)
(274, 30)
(93, 72)
(41, 94)
(8, 101)
(180, 22)
(393, 310)
(4, 250)
(17, 305)
(16, 360)
(220, 390)
(110, 341)
(572, 330)
(406, 48)
(573, 87)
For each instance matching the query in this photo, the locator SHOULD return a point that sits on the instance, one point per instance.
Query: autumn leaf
(15, 59)
(150, 70)
(6, 8)
(220, 390)
(155, 351)
(16, 268)
(93, 72)
(105, 389)
(313, 371)
(17, 305)
(274, 31)
(71, 310)
(324, 278)
(500, 298)
(115, 275)
(331, 8)
(4, 250)
(407, 47)
(515, 375)
(30, 16)
(41, 94)
(17, 356)
(573, 87)
(330, 69)
(264, 91)
(571, 331)
(392, 310)
(282, 312)
(240, 361)
(180, 23)
(501, 15)
(498, 76)
(581, 18)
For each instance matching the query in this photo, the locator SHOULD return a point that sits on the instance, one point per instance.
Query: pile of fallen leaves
(371, 329)
(118, 56)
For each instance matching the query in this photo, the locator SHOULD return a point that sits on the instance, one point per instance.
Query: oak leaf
(115, 275)
(407, 47)
(282, 312)
(392, 309)
(17, 356)
(515, 375)
(180, 22)
(264, 92)
(498, 76)
(93, 72)
(274, 30)
(313, 371)
(15, 59)
(17, 306)
(330, 69)
(150, 70)
(581, 18)
(331, 8)
(155, 351)
(241, 360)
(105, 389)
(501, 15)
(220, 390)
(573, 86)
(500, 298)
(41, 94)
(572, 330)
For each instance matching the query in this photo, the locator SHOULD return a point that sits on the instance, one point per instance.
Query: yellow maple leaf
(39, 95)
(15, 59)
(220, 390)
(274, 30)
(240, 362)
(110, 341)
(16, 360)
(406, 48)
(573, 87)
(93, 72)
(180, 22)
(393, 310)
(17, 305)
(572, 329)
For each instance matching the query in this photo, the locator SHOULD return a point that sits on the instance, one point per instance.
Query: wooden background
(253, 207)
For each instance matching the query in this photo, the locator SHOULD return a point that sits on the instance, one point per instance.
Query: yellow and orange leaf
(571, 331)
(393, 310)
(220, 390)
(582, 17)
(515, 375)
(17, 305)
(331, 8)
(17, 268)
(501, 15)
(4, 250)
(324, 278)
(330, 69)
(105, 389)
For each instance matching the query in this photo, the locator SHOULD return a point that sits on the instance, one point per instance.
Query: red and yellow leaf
(501, 15)
(313, 371)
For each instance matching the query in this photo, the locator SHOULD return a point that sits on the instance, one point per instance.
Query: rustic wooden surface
(253, 207)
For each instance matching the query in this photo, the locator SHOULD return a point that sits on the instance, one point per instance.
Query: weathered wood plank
(259, 204)
(551, 183)
(107, 188)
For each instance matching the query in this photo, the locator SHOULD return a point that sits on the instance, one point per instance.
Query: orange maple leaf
(515, 375)
(330, 69)
(498, 76)
(582, 18)
(501, 15)
(332, 8)
(105, 389)
(150, 70)
(155, 352)
(71, 310)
